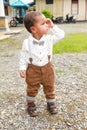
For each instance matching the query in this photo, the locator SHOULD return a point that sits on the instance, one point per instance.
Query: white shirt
(39, 53)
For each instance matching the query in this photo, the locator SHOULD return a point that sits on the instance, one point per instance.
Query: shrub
(47, 13)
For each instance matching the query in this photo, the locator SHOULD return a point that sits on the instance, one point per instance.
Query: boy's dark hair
(30, 19)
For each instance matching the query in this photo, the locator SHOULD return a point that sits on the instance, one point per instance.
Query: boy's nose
(46, 25)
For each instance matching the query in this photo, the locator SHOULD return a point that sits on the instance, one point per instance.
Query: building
(17, 7)
(78, 8)
(3, 18)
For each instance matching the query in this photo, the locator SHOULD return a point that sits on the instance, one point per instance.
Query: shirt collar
(32, 38)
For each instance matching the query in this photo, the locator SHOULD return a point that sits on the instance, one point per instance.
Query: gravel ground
(71, 91)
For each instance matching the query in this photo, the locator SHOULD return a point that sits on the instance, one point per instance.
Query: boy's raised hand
(49, 23)
(23, 73)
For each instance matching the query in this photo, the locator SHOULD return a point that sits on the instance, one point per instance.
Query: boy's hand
(23, 73)
(49, 23)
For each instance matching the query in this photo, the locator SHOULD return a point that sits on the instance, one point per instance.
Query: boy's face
(41, 26)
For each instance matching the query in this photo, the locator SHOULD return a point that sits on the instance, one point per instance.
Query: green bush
(47, 13)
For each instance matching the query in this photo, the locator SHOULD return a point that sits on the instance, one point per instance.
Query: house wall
(66, 7)
(40, 5)
(82, 9)
(86, 10)
(63, 7)
(60, 8)
(56, 8)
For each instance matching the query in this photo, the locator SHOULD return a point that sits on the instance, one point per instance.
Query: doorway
(86, 11)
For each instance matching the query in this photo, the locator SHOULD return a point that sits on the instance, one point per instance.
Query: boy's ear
(33, 29)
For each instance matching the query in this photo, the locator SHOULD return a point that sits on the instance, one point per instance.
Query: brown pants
(40, 75)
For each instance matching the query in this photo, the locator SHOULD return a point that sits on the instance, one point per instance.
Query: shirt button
(40, 52)
(40, 60)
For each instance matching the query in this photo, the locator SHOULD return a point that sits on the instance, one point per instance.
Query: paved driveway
(68, 28)
(72, 28)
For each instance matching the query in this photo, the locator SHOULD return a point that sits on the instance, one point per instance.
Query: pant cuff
(30, 98)
(50, 100)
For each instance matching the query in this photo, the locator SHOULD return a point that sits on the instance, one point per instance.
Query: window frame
(49, 1)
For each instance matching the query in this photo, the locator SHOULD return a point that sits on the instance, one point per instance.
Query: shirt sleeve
(56, 34)
(23, 56)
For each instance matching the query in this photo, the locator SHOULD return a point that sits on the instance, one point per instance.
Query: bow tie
(38, 43)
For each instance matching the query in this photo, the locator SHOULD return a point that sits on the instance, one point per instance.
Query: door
(86, 11)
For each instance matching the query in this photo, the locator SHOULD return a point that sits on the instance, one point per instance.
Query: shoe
(31, 109)
(52, 108)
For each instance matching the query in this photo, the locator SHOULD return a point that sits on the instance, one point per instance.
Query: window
(74, 7)
(49, 1)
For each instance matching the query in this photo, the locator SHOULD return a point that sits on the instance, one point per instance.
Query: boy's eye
(43, 23)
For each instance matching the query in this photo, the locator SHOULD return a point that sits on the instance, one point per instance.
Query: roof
(18, 3)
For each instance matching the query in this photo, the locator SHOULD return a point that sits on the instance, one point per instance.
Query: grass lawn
(72, 43)
(10, 44)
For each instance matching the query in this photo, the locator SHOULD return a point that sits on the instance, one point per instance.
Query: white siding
(82, 6)
(63, 7)
(67, 7)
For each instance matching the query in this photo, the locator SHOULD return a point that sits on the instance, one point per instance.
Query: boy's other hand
(23, 73)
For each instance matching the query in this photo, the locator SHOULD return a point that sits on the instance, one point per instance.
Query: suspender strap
(30, 59)
(49, 58)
